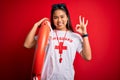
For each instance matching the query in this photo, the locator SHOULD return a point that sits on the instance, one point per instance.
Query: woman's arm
(30, 39)
(81, 28)
(86, 52)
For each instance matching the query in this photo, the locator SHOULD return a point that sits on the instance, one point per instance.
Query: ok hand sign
(81, 27)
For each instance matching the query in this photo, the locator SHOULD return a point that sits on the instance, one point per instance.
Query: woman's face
(60, 19)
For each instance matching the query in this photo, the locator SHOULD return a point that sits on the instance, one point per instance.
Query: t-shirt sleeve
(79, 45)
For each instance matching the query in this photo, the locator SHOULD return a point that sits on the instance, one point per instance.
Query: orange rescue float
(40, 49)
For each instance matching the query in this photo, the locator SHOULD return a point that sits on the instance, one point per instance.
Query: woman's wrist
(85, 35)
(37, 25)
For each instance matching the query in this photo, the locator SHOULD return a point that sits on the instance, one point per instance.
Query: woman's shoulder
(75, 35)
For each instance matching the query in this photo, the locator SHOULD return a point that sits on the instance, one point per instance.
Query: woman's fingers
(77, 27)
(40, 21)
(81, 27)
(86, 23)
(82, 21)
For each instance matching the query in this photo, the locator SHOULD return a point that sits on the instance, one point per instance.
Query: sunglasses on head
(62, 6)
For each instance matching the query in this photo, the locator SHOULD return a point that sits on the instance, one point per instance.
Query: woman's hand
(39, 22)
(81, 27)
(30, 39)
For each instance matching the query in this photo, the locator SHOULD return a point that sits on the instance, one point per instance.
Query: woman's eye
(62, 16)
(55, 17)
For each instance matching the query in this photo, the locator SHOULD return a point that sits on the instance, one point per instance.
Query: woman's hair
(63, 7)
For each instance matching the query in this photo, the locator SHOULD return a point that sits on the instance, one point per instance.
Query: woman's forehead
(59, 12)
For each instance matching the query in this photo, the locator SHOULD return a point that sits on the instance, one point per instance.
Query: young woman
(62, 44)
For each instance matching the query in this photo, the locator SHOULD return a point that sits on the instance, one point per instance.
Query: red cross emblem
(61, 47)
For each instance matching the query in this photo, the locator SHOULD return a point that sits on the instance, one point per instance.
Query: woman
(62, 44)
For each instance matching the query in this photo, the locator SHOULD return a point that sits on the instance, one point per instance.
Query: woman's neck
(62, 29)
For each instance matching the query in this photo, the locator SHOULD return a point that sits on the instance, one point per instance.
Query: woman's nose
(59, 19)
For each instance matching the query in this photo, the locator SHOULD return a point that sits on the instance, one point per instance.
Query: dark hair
(63, 7)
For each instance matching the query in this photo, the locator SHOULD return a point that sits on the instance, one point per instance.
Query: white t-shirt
(53, 69)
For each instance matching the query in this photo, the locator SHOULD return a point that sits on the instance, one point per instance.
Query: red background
(18, 16)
